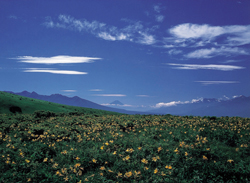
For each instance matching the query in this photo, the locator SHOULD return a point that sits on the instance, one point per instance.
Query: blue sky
(142, 53)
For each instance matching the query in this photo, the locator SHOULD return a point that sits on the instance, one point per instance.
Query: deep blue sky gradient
(141, 72)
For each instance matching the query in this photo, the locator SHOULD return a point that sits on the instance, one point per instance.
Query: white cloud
(142, 95)
(54, 71)
(95, 90)
(216, 82)
(188, 30)
(209, 66)
(162, 104)
(110, 95)
(212, 52)
(200, 35)
(61, 59)
(159, 18)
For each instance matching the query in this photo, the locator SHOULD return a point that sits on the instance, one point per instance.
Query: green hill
(19, 104)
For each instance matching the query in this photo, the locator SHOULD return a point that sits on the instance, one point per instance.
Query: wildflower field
(78, 147)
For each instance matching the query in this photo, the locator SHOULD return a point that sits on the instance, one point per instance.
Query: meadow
(97, 147)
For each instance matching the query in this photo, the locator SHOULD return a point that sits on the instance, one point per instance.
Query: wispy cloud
(159, 18)
(13, 17)
(68, 90)
(117, 105)
(133, 32)
(110, 95)
(54, 71)
(212, 52)
(217, 82)
(209, 66)
(96, 90)
(142, 95)
(61, 59)
(174, 52)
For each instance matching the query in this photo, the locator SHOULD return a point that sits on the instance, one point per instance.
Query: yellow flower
(77, 158)
(77, 165)
(57, 172)
(129, 150)
(169, 167)
(204, 157)
(159, 149)
(86, 179)
(111, 141)
(176, 150)
(101, 174)
(145, 168)
(186, 153)
(139, 148)
(144, 161)
(55, 165)
(114, 152)
(154, 159)
(94, 161)
(66, 178)
(230, 160)
(119, 174)
(27, 161)
(45, 159)
(106, 143)
(128, 174)
(102, 148)
(163, 174)
(102, 168)
(155, 171)
(110, 171)
(126, 158)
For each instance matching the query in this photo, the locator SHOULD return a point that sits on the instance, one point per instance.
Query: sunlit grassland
(124, 148)
(30, 105)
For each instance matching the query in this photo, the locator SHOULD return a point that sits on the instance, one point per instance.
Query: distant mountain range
(238, 106)
(73, 101)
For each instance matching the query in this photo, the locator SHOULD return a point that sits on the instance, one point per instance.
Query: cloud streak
(217, 82)
(110, 95)
(61, 59)
(54, 71)
(212, 52)
(68, 90)
(208, 67)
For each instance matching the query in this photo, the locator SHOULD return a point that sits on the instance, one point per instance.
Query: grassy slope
(29, 105)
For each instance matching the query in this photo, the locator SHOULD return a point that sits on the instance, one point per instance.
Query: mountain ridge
(72, 101)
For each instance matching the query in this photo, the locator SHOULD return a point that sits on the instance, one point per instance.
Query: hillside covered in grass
(123, 148)
(11, 103)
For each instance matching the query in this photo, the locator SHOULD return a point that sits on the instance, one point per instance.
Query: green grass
(123, 148)
(30, 105)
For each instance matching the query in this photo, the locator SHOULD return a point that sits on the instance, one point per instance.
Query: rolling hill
(11, 103)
